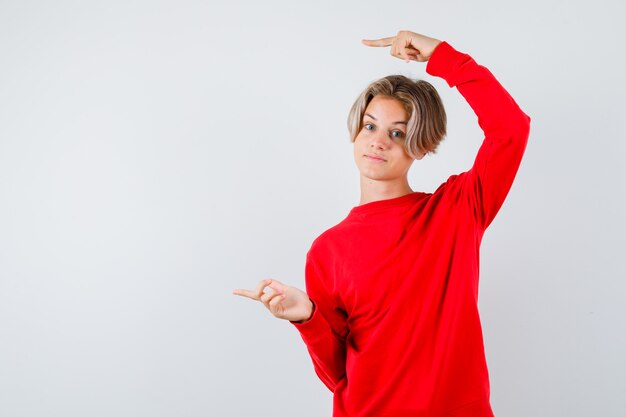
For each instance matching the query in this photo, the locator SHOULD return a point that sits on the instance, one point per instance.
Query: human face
(382, 136)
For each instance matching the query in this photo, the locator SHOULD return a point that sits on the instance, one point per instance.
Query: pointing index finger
(253, 294)
(378, 42)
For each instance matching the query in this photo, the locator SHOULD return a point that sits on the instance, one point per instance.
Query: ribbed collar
(385, 204)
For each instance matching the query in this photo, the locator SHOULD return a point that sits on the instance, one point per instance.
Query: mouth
(375, 158)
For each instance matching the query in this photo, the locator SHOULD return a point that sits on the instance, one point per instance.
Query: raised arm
(506, 128)
(325, 332)
(485, 186)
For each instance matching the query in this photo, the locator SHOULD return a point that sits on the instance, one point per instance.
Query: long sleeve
(325, 332)
(506, 127)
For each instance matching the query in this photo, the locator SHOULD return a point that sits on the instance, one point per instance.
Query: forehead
(385, 108)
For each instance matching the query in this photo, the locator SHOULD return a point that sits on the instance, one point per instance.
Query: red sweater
(395, 330)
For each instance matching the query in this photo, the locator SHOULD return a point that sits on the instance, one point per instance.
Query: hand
(407, 45)
(283, 301)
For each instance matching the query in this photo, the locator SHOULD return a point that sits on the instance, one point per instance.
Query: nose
(380, 140)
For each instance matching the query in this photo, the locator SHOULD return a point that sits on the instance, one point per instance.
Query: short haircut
(426, 126)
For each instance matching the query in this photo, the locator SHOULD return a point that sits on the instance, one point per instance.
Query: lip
(375, 158)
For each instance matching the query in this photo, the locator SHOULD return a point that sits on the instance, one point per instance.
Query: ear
(420, 156)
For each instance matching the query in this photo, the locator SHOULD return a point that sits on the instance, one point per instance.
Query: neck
(373, 190)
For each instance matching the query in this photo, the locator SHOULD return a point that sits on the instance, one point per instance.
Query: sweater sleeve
(506, 127)
(325, 332)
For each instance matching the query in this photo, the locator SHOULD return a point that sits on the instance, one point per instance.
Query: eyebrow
(394, 123)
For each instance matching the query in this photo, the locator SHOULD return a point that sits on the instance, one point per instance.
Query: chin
(376, 176)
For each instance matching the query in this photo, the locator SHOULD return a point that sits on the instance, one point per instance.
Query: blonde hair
(426, 126)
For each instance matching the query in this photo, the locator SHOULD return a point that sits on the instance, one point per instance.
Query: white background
(156, 155)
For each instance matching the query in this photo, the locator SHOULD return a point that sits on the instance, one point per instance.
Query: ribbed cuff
(311, 323)
(445, 61)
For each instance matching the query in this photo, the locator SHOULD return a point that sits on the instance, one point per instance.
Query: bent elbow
(525, 125)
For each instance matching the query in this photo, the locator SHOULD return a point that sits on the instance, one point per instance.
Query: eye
(395, 134)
